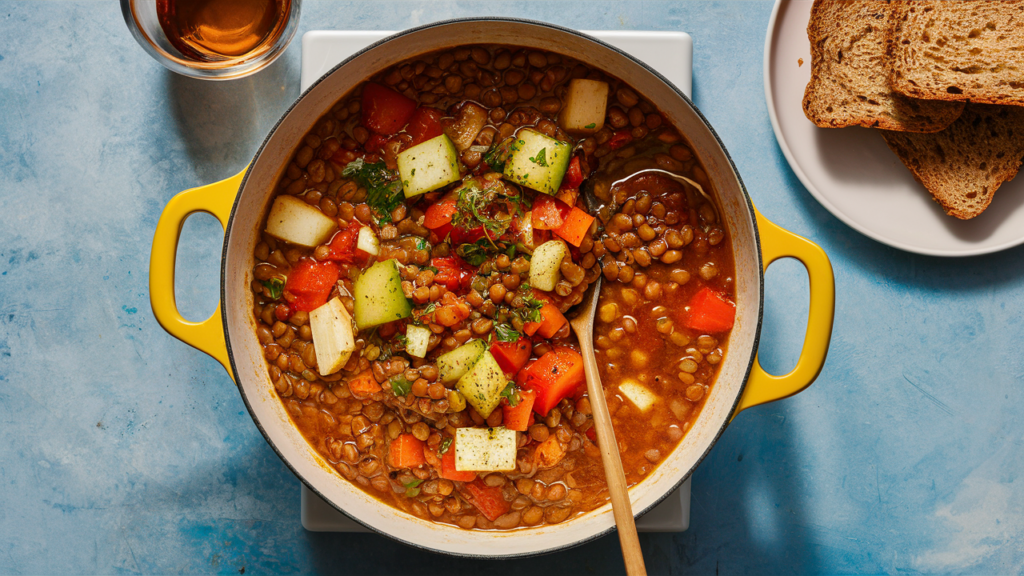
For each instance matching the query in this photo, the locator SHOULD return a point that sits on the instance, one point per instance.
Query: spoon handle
(614, 476)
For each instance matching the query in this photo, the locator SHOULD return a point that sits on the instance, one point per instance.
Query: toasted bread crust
(964, 165)
(968, 50)
(849, 75)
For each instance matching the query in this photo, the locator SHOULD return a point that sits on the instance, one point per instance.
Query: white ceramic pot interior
(250, 369)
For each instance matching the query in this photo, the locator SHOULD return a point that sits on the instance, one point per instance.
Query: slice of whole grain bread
(963, 50)
(849, 76)
(965, 164)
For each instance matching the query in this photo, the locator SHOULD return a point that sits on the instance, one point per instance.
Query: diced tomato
(709, 312)
(573, 175)
(440, 213)
(576, 226)
(448, 470)
(343, 245)
(549, 213)
(375, 143)
(620, 139)
(523, 373)
(512, 356)
(554, 376)
(384, 110)
(489, 500)
(311, 282)
(551, 322)
(518, 417)
(406, 451)
(463, 236)
(453, 273)
(424, 125)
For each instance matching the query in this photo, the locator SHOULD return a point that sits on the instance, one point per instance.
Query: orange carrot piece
(406, 451)
(552, 321)
(575, 227)
(363, 384)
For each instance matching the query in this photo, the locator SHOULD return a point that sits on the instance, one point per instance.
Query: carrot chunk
(406, 451)
(575, 227)
(554, 376)
(518, 417)
(363, 384)
(709, 312)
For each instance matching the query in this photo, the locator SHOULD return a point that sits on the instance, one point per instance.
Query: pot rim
(757, 244)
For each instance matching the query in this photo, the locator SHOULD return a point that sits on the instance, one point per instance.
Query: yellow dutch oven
(240, 203)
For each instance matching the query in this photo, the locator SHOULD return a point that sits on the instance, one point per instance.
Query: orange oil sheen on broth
(217, 30)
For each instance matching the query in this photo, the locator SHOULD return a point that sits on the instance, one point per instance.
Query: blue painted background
(124, 451)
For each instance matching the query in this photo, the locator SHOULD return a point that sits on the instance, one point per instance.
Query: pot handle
(217, 200)
(778, 243)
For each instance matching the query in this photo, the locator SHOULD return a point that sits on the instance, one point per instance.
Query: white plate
(854, 175)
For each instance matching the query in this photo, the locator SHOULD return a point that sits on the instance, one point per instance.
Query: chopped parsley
(400, 386)
(490, 208)
(511, 393)
(591, 126)
(445, 445)
(505, 333)
(402, 339)
(421, 244)
(412, 489)
(540, 159)
(275, 286)
(498, 155)
(383, 190)
(530, 312)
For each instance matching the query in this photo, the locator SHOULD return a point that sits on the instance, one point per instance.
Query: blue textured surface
(124, 450)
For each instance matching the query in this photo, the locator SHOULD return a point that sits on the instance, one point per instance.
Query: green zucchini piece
(428, 166)
(485, 449)
(379, 297)
(417, 340)
(546, 265)
(452, 365)
(483, 384)
(538, 162)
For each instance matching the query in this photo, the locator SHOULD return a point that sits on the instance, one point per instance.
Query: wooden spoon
(583, 325)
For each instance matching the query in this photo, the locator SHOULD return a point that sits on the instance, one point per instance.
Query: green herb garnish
(506, 333)
(402, 339)
(530, 312)
(511, 393)
(412, 489)
(591, 126)
(383, 190)
(445, 445)
(400, 386)
(421, 244)
(491, 208)
(540, 158)
(275, 286)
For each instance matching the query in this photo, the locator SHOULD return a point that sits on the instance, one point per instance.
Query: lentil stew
(421, 252)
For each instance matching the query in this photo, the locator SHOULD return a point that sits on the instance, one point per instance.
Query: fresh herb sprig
(383, 189)
(511, 393)
(275, 286)
(505, 333)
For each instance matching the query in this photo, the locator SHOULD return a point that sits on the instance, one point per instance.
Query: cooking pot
(240, 202)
